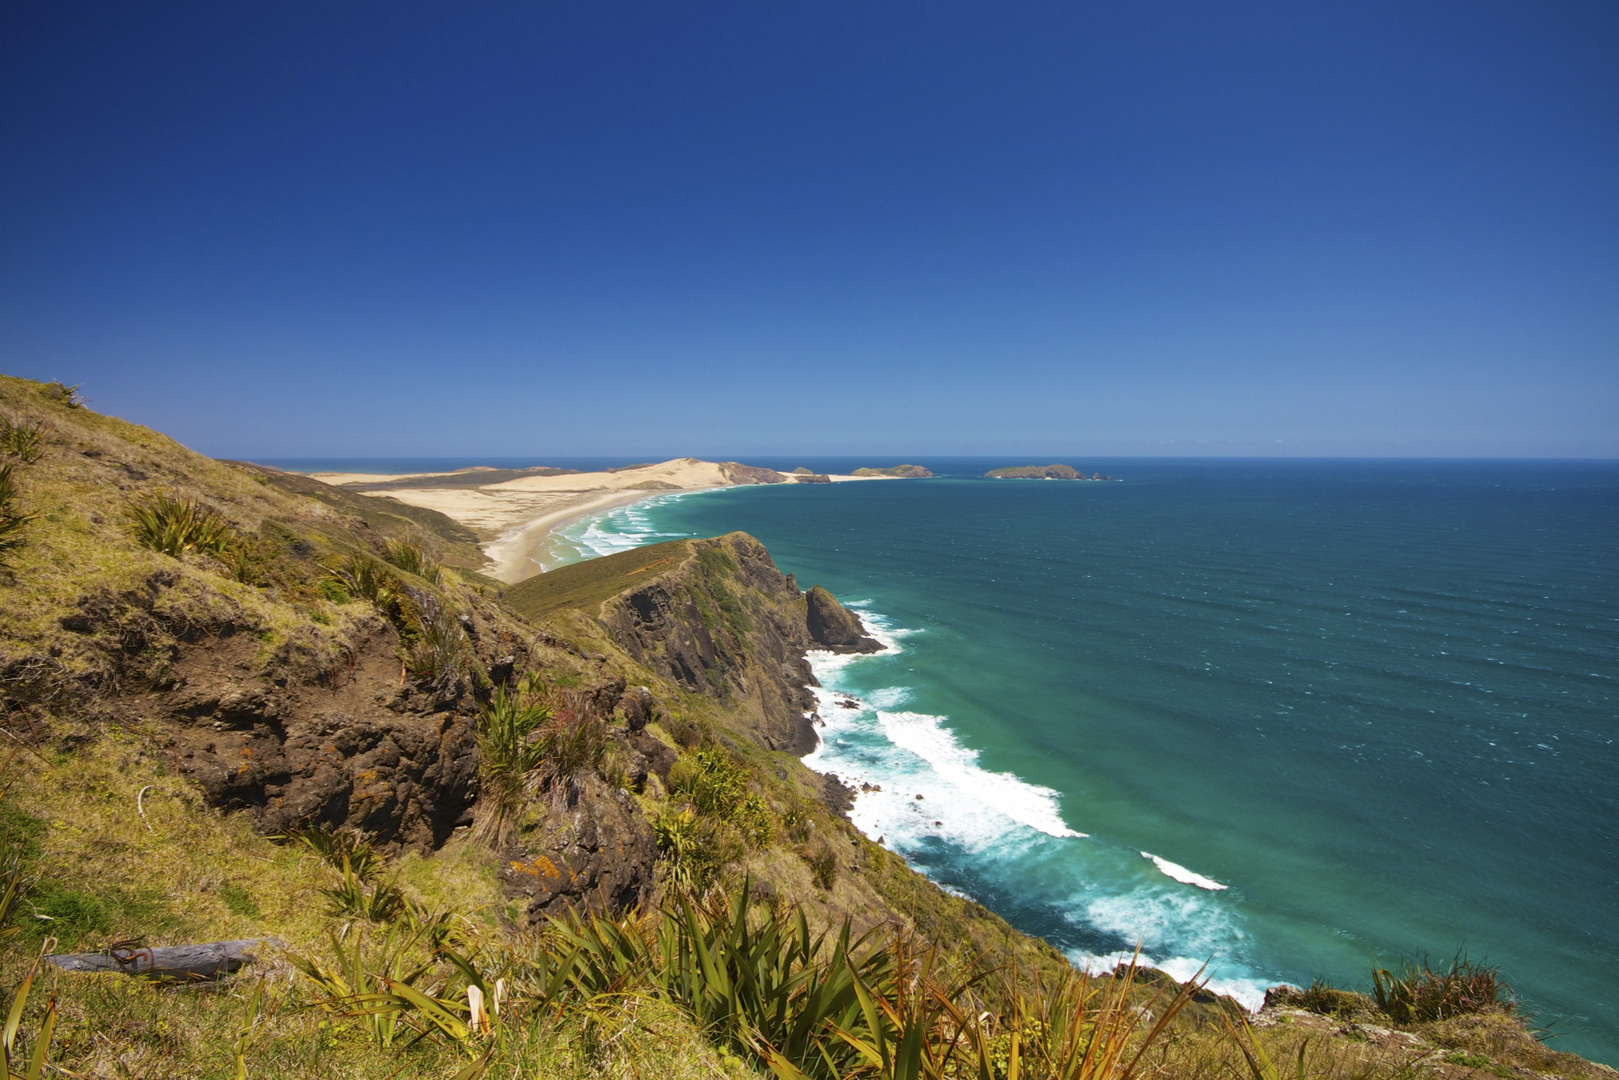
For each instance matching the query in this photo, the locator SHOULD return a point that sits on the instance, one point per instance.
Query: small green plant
(353, 896)
(1419, 993)
(1472, 1061)
(690, 848)
(13, 1047)
(22, 441)
(62, 394)
(364, 576)
(12, 520)
(342, 849)
(507, 759)
(411, 559)
(440, 653)
(13, 887)
(823, 864)
(369, 984)
(174, 525)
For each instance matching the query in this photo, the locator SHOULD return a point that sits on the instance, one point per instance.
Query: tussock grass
(1417, 992)
(23, 441)
(175, 524)
(13, 520)
(507, 759)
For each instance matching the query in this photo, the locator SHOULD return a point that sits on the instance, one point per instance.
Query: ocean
(1286, 719)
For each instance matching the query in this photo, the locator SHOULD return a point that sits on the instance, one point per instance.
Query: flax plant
(174, 525)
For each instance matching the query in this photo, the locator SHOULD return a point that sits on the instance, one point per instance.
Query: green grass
(587, 585)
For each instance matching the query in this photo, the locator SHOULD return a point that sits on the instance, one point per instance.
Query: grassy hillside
(585, 586)
(239, 704)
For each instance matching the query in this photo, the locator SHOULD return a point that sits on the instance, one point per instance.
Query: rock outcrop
(834, 627)
(593, 851)
(738, 473)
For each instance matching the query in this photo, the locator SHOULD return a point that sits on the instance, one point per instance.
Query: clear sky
(317, 229)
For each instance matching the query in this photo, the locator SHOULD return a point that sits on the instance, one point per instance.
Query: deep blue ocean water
(1310, 716)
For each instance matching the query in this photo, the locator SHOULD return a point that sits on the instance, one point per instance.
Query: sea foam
(1183, 875)
(915, 777)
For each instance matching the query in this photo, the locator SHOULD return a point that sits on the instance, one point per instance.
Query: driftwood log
(185, 963)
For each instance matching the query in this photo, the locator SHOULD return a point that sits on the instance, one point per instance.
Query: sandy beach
(516, 515)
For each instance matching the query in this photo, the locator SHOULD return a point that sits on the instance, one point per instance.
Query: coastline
(512, 551)
(515, 514)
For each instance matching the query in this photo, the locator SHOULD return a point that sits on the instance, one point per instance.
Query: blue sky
(302, 229)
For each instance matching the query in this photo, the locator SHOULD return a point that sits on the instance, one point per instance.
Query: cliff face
(724, 621)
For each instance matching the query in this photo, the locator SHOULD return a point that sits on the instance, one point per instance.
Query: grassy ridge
(588, 584)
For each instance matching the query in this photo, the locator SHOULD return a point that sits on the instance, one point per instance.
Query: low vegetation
(13, 519)
(174, 525)
(1416, 992)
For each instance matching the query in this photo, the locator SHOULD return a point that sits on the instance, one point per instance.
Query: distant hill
(908, 471)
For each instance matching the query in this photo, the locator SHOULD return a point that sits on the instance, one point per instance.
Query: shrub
(573, 741)
(342, 848)
(361, 575)
(1324, 999)
(12, 520)
(23, 441)
(410, 558)
(62, 394)
(174, 525)
(1419, 993)
(507, 758)
(717, 786)
(353, 896)
(691, 847)
(440, 654)
(823, 864)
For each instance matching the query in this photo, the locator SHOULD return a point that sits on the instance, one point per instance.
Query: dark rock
(834, 626)
(838, 796)
(659, 756)
(604, 699)
(503, 671)
(594, 854)
(638, 707)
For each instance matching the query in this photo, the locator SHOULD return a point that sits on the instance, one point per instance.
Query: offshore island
(1043, 472)
(294, 740)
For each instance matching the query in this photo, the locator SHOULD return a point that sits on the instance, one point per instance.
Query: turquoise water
(1310, 716)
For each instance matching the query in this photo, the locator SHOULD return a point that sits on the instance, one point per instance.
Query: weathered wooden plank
(190, 963)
